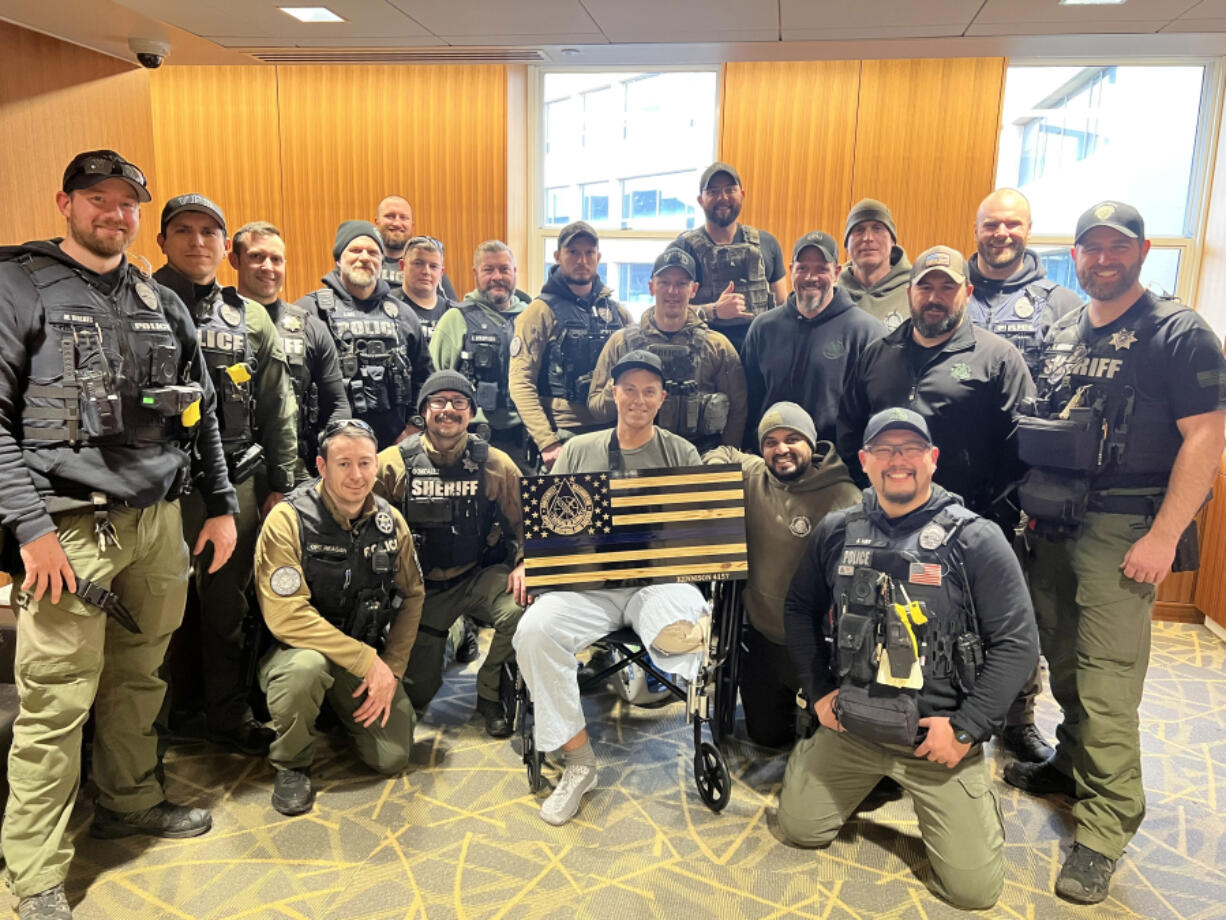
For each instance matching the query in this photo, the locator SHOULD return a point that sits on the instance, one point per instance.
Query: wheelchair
(710, 699)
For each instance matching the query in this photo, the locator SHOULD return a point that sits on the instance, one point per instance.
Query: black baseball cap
(577, 228)
(672, 257)
(641, 358)
(895, 418)
(90, 167)
(197, 203)
(1114, 214)
(714, 170)
(823, 241)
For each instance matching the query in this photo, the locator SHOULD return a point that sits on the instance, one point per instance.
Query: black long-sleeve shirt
(996, 585)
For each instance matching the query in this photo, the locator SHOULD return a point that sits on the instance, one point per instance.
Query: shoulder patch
(285, 581)
(517, 345)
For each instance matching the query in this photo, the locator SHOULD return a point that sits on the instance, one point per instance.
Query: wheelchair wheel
(711, 776)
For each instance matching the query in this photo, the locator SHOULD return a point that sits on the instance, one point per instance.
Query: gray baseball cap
(896, 418)
(823, 241)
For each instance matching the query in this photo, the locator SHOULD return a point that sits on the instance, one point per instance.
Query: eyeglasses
(340, 424)
(439, 403)
(425, 241)
(105, 166)
(912, 450)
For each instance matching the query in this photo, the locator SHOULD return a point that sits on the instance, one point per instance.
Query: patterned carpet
(458, 836)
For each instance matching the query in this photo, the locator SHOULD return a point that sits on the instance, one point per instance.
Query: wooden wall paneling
(790, 130)
(57, 99)
(926, 143)
(351, 135)
(1211, 585)
(217, 134)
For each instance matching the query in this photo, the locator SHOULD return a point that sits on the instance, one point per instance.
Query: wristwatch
(962, 736)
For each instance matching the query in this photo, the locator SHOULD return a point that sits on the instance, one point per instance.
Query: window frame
(1200, 177)
(531, 275)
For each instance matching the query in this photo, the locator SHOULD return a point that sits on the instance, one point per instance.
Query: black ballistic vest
(351, 573)
(221, 324)
(1023, 318)
(581, 328)
(98, 352)
(486, 356)
(291, 326)
(373, 359)
(448, 510)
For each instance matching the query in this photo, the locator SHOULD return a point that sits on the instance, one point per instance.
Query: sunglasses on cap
(427, 240)
(107, 167)
(341, 424)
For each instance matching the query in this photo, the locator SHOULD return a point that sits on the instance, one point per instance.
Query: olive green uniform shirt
(718, 370)
(294, 620)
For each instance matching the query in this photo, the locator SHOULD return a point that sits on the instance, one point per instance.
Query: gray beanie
(869, 209)
(349, 231)
(445, 380)
(787, 415)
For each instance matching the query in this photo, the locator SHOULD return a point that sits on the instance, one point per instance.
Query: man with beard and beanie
(877, 271)
(460, 497)
(394, 221)
(966, 382)
(1012, 296)
(789, 490)
(256, 415)
(341, 591)
(740, 268)
(477, 342)
(909, 623)
(258, 257)
(379, 342)
(91, 517)
(805, 351)
(703, 375)
(1143, 380)
(557, 341)
(422, 266)
(560, 624)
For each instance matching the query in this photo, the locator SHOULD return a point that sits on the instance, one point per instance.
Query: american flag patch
(925, 574)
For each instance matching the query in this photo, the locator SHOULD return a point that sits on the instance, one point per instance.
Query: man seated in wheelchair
(669, 618)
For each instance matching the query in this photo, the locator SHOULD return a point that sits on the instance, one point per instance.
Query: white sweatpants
(560, 624)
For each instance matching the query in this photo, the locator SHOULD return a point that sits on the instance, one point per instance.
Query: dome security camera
(150, 52)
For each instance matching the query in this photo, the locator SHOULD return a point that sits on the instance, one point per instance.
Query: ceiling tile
(504, 22)
(822, 16)
(685, 20)
(262, 22)
(850, 33)
(1126, 17)
(1062, 28)
(1183, 24)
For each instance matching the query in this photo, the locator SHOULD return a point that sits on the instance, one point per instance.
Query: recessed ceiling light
(1091, 2)
(311, 13)
(570, 52)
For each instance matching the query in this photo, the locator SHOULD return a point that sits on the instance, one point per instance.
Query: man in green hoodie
(877, 271)
(476, 341)
(796, 482)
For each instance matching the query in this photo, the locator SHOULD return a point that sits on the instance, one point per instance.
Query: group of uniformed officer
(141, 416)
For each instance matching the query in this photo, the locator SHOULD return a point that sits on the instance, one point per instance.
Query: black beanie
(445, 380)
(870, 209)
(349, 231)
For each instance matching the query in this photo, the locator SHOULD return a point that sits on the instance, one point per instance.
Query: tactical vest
(92, 373)
(741, 263)
(925, 563)
(221, 325)
(485, 356)
(373, 359)
(291, 325)
(685, 411)
(448, 510)
(390, 272)
(351, 573)
(581, 329)
(1023, 318)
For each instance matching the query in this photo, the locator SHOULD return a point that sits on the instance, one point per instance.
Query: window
(1073, 136)
(622, 150)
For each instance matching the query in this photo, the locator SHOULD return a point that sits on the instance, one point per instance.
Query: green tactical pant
(71, 656)
(1094, 626)
(296, 681)
(483, 596)
(223, 608)
(829, 774)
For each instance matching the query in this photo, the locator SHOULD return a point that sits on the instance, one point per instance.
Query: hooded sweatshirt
(991, 573)
(806, 360)
(887, 299)
(779, 517)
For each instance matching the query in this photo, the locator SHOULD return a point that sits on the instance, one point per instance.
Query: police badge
(230, 314)
(1023, 309)
(285, 581)
(147, 296)
(384, 522)
(932, 536)
(391, 309)
(292, 324)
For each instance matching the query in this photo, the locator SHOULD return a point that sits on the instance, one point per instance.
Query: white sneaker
(563, 803)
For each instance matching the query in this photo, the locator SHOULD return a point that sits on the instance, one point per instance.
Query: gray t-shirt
(589, 453)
